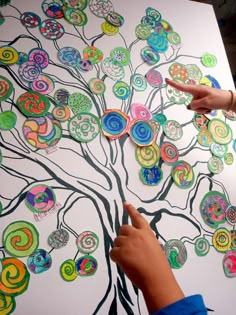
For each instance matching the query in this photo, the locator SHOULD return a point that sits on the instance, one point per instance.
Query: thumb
(137, 219)
(200, 105)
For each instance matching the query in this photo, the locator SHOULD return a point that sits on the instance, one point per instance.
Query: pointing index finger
(182, 87)
(136, 218)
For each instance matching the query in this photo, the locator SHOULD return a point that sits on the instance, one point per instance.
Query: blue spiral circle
(142, 133)
(114, 123)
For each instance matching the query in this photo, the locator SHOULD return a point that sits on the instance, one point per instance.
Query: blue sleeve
(191, 305)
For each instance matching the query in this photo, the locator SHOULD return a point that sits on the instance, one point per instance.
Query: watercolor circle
(7, 120)
(209, 60)
(183, 174)
(40, 198)
(23, 57)
(230, 115)
(87, 242)
(176, 253)
(97, 86)
(101, 8)
(142, 31)
(141, 132)
(7, 302)
(229, 158)
(61, 113)
(58, 238)
(173, 38)
(120, 55)
(8, 55)
(178, 71)
(69, 56)
(215, 165)
(114, 123)
(231, 215)
(218, 150)
(138, 82)
(6, 88)
(29, 71)
(140, 111)
(51, 29)
(20, 238)
(173, 130)
(221, 240)
(200, 121)
(109, 29)
(40, 56)
(115, 19)
(39, 261)
(75, 16)
(68, 270)
(201, 246)
(148, 156)
(158, 42)
(61, 97)
(150, 56)
(53, 8)
(85, 65)
(169, 152)
(113, 70)
(30, 19)
(229, 263)
(43, 84)
(93, 54)
(154, 78)
(121, 90)
(161, 118)
(33, 103)
(79, 102)
(204, 138)
(86, 266)
(151, 176)
(221, 132)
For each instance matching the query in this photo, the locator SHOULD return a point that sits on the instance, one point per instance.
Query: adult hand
(206, 98)
(139, 254)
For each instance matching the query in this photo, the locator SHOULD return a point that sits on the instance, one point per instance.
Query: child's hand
(206, 98)
(139, 254)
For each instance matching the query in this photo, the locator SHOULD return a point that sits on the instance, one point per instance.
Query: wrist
(232, 105)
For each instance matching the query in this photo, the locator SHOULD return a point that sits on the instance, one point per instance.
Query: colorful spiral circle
(75, 16)
(43, 84)
(209, 60)
(183, 174)
(176, 96)
(151, 176)
(109, 29)
(8, 55)
(229, 263)
(230, 115)
(231, 215)
(200, 121)
(6, 88)
(101, 8)
(7, 304)
(194, 72)
(85, 65)
(141, 132)
(61, 113)
(213, 208)
(163, 28)
(156, 15)
(169, 153)
(114, 123)
(29, 71)
(221, 132)
(7, 120)
(40, 198)
(138, 82)
(172, 130)
(210, 81)
(174, 38)
(86, 266)
(77, 4)
(14, 277)
(30, 19)
(221, 240)
(176, 253)
(202, 246)
(61, 96)
(69, 56)
(148, 21)
(215, 165)
(53, 8)
(87, 242)
(113, 70)
(154, 78)
(178, 71)
(51, 29)
(204, 138)
(40, 56)
(58, 238)
(68, 270)
(121, 90)
(20, 238)
(42, 132)
(161, 118)
(140, 111)
(97, 86)
(229, 158)
(84, 127)
(150, 56)
(93, 54)
(148, 156)
(142, 31)
(233, 239)
(219, 150)
(115, 19)
(32, 103)
(39, 261)
(158, 42)
(79, 102)
(120, 55)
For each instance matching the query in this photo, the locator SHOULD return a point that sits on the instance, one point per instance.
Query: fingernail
(189, 107)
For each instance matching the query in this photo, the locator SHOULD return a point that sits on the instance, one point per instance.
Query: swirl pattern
(20, 238)
(194, 72)
(158, 42)
(142, 31)
(149, 56)
(30, 19)
(101, 8)
(204, 138)
(215, 165)
(115, 19)
(14, 277)
(213, 208)
(77, 4)
(154, 78)
(33, 104)
(229, 158)
(148, 156)
(40, 56)
(141, 133)
(97, 86)
(172, 130)
(233, 239)
(87, 242)
(79, 102)
(40, 198)
(114, 123)
(109, 29)
(169, 153)
(140, 111)
(93, 54)
(8, 55)
(156, 15)
(61, 96)
(42, 132)
(29, 71)
(221, 240)
(112, 70)
(51, 29)
(161, 118)
(174, 38)
(58, 239)
(7, 120)
(202, 246)
(86, 266)
(182, 174)
(75, 16)
(6, 88)
(178, 71)
(219, 150)
(229, 263)
(121, 90)
(231, 215)
(7, 304)
(68, 270)
(209, 60)
(61, 113)
(69, 56)
(148, 21)
(176, 253)
(43, 84)
(84, 127)
(138, 82)
(221, 132)
(39, 261)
